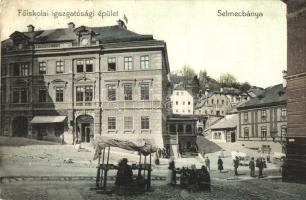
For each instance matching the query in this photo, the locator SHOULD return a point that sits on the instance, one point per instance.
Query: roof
(204, 98)
(229, 121)
(47, 119)
(106, 34)
(274, 95)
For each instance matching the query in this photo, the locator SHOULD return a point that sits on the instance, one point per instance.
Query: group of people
(195, 179)
(260, 163)
(162, 153)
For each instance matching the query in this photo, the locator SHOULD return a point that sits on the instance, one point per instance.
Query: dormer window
(85, 41)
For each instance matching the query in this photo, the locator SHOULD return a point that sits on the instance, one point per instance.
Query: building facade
(182, 102)
(84, 82)
(224, 130)
(295, 165)
(262, 121)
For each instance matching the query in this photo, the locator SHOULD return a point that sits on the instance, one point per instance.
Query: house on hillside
(262, 121)
(182, 101)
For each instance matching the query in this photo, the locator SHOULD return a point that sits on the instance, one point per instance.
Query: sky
(252, 48)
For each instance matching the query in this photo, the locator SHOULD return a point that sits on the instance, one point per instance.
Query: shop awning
(47, 119)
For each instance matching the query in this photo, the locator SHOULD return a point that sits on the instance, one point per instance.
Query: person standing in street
(260, 168)
(207, 163)
(220, 164)
(252, 167)
(236, 165)
(171, 172)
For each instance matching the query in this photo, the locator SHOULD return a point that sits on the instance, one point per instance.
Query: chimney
(284, 78)
(71, 25)
(121, 24)
(30, 28)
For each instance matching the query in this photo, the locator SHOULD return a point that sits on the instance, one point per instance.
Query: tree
(244, 87)
(203, 79)
(195, 85)
(188, 74)
(227, 80)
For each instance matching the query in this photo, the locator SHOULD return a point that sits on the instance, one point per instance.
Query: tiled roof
(229, 121)
(274, 95)
(107, 34)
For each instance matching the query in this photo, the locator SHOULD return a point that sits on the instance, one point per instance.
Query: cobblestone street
(221, 189)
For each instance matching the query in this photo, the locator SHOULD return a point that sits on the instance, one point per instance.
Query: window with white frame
(59, 67)
(128, 122)
(20, 69)
(128, 63)
(84, 65)
(145, 122)
(264, 132)
(283, 131)
(144, 62)
(111, 92)
(111, 123)
(111, 64)
(42, 67)
(59, 94)
(84, 93)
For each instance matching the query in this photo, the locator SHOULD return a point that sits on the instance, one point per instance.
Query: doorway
(85, 128)
(20, 127)
(233, 136)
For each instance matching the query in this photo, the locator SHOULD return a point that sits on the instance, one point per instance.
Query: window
(217, 101)
(144, 92)
(263, 115)
(59, 95)
(188, 102)
(128, 92)
(20, 95)
(176, 102)
(84, 93)
(80, 67)
(128, 63)
(85, 65)
(112, 123)
(42, 67)
(23, 70)
(111, 93)
(246, 132)
(283, 132)
(59, 67)
(89, 65)
(145, 122)
(128, 122)
(183, 102)
(20, 69)
(42, 95)
(144, 62)
(217, 135)
(188, 111)
(177, 93)
(212, 101)
(283, 112)
(180, 128)
(263, 132)
(222, 102)
(245, 117)
(111, 63)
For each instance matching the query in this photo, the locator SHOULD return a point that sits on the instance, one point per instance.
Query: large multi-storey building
(262, 121)
(83, 82)
(295, 165)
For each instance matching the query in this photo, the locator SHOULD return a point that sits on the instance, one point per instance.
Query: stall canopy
(47, 119)
(145, 149)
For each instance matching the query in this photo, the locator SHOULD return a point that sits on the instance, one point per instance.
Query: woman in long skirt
(171, 179)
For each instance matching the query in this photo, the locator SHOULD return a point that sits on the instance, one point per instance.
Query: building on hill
(235, 95)
(262, 121)
(182, 101)
(84, 81)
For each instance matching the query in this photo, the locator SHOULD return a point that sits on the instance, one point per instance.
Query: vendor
(124, 174)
